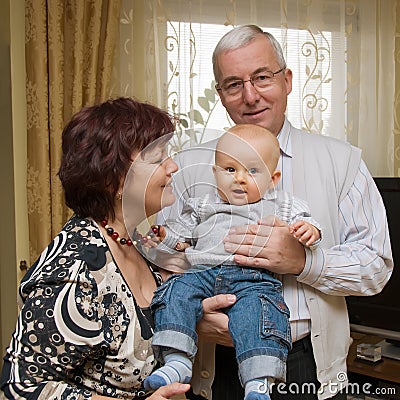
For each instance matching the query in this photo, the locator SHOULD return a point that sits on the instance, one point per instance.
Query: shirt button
(203, 393)
(205, 374)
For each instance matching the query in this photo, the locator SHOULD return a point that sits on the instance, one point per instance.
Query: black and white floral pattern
(79, 330)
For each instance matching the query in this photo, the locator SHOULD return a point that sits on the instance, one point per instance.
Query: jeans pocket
(275, 319)
(163, 293)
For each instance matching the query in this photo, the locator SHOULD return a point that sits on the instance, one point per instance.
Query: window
(191, 93)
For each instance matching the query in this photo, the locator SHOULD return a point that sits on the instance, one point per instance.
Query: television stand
(388, 370)
(389, 350)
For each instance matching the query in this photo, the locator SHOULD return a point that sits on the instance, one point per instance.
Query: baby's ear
(214, 168)
(275, 177)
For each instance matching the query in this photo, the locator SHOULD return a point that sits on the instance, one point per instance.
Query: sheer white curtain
(341, 52)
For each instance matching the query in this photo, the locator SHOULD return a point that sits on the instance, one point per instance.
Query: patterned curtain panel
(342, 53)
(396, 152)
(69, 55)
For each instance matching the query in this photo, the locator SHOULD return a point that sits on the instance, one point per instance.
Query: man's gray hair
(241, 36)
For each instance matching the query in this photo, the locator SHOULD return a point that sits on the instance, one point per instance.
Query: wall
(14, 244)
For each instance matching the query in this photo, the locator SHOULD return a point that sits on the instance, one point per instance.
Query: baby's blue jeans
(258, 321)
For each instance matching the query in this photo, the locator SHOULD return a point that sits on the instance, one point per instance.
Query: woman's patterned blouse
(79, 330)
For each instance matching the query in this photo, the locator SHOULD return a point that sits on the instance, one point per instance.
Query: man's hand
(213, 327)
(268, 245)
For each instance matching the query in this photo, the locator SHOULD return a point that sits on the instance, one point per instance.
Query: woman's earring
(119, 196)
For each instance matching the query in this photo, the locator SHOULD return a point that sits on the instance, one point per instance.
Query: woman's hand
(268, 245)
(166, 392)
(176, 263)
(213, 327)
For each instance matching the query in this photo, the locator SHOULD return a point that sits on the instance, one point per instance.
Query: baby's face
(241, 178)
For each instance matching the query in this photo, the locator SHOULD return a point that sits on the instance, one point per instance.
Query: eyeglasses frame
(219, 88)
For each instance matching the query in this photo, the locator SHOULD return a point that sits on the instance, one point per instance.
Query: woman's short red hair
(97, 145)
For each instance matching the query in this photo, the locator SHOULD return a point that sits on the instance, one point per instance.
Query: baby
(246, 159)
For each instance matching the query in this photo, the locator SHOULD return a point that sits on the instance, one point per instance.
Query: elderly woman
(84, 330)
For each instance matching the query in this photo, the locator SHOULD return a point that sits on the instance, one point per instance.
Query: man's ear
(214, 168)
(275, 177)
(288, 80)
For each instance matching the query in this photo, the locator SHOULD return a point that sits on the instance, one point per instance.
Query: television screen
(382, 311)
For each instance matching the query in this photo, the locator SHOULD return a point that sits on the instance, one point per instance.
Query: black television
(380, 314)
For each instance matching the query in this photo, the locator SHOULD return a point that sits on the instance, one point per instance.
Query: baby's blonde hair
(254, 136)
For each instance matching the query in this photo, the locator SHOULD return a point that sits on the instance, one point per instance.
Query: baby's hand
(154, 236)
(306, 233)
(160, 233)
(181, 246)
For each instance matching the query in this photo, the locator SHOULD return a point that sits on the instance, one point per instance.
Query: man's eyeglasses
(260, 81)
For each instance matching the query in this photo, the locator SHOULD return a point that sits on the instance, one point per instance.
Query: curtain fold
(69, 57)
(376, 78)
(396, 106)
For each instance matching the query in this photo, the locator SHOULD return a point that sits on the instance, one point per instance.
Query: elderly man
(354, 256)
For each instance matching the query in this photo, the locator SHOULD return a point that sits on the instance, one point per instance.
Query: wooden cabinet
(381, 379)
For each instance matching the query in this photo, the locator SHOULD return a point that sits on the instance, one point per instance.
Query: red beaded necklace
(115, 235)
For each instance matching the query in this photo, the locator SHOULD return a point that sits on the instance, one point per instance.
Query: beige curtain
(344, 54)
(396, 146)
(69, 59)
